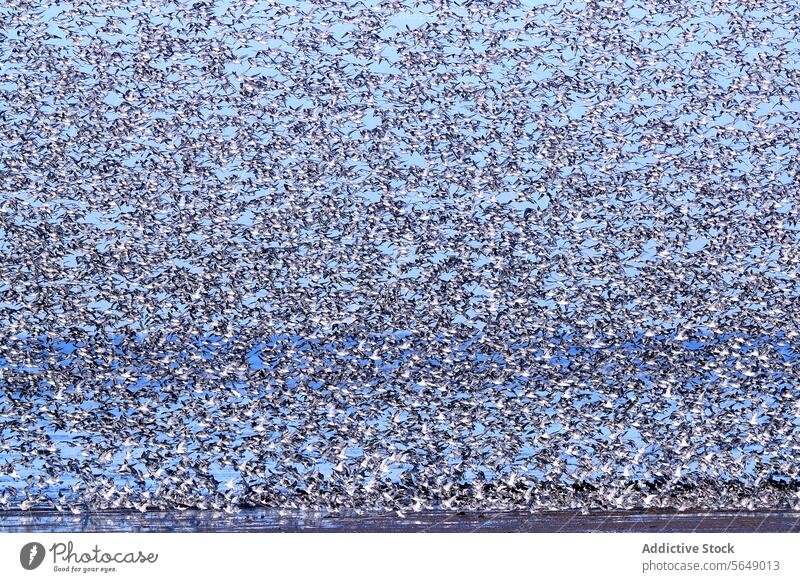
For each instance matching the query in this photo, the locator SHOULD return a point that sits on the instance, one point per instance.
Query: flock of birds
(389, 255)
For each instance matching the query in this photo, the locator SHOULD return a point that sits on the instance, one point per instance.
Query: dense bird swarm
(388, 255)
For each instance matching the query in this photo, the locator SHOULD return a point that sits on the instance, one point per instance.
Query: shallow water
(286, 521)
